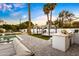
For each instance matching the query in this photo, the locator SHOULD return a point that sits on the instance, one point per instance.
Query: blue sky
(12, 12)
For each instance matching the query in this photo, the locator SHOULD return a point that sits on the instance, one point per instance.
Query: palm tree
(61, 16)
(56, 23)
(65, 15)
(69, 16)
(46, 11)
(51, 7)
(29, 18)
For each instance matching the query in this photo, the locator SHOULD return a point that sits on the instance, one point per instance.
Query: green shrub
(76, 31)
(1, 31)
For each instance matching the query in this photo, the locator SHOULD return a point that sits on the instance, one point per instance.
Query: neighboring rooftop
(2, 22)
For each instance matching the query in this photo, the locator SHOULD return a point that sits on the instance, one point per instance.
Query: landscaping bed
(41, 36)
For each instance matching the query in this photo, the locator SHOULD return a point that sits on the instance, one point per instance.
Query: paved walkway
(43, 47)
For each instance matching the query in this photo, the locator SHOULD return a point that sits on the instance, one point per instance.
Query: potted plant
(64, 32)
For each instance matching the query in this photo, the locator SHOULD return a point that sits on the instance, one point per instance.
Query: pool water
(6, 38)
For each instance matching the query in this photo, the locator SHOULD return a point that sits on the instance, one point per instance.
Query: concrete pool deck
(42, 47)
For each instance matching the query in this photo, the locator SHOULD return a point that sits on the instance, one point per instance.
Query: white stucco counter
(60, 41)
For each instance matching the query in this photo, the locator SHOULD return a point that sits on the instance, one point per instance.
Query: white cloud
(20, 5)
(41, 20)
(17, 21)
(12, 21)
(0, 6)
(24, 16)
(6, 7)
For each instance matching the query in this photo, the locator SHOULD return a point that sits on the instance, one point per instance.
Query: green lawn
(41, 36)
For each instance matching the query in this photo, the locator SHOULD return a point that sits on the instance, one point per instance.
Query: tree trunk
(48, 24)
(55, 29)
(51, 17)
(37, 30)
(29, 17)
(33, 30)
(62, 22)
(51, 22)
(20, 24)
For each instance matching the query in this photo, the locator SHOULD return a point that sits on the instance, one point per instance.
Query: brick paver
(42, 47)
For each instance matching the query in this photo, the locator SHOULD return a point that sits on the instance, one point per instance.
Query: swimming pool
(7, 38)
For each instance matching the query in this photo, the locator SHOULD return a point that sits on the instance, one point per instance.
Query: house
(2, 22)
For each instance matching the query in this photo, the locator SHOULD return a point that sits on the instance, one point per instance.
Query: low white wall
(34, 31)
(60, 42)
(51, 30)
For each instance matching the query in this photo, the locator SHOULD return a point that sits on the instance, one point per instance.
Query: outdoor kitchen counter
(60, 41)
